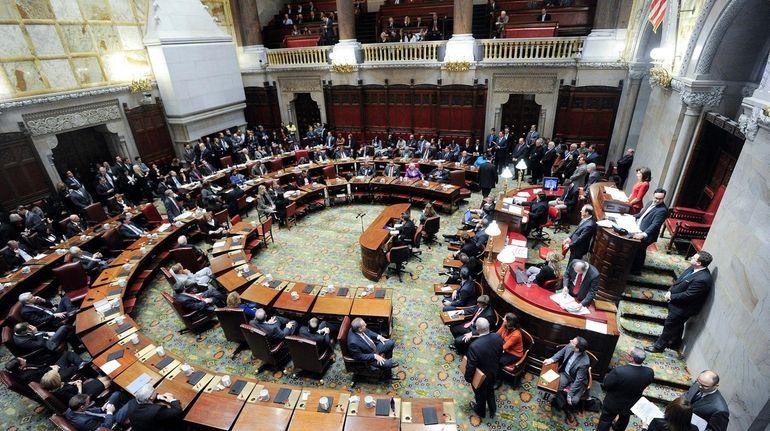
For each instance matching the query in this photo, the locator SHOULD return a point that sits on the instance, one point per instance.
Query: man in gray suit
(650, 220)
(277, 327)
(707, 402)
(573, 372)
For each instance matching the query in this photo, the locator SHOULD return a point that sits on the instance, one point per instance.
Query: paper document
(164, 227)
(604, 223)
(699, 422)
(575, 308)
(518, 243)
(219, 244)
(625, 221)
(110, 366)
(40, 256)
(561, 299)
(185, 214)
(523, 195)
(249, 199)
(508, 201)
(138, 383)
(646, 411)
(616, 194)
(520, 200)
(595, 326)
(455, 314)
(446, 289)
(520, 252)
(550, 376)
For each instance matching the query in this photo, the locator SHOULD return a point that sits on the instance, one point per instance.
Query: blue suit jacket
(360, 349)
(652, 223)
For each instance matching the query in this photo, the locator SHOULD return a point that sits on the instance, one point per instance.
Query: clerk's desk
(373, 260)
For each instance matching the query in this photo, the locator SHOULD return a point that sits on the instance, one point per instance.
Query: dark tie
(698, 396)
(578, 282)
(369, 342)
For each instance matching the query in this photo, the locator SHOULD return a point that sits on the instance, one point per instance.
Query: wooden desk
(217, 409)
(363, 418)
(377, 312)
(412, 419)
(113, 274)
(444, 289)
(243, 228)
(542, 385)
(308, 418)
(263, 295)
(269, 415)
(106, 291)
(136, 369)
(233, 243)
(89, 318)
(285, 305)
(175, 383)
(332, 305)
(373, 261)
(105, 336)
(131, 257)
(128, 359)
(227, 261)
(235, 280)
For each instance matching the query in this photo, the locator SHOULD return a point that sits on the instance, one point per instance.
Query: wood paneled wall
(587, 114)
(454, 111)
(262, 107)
(23, 178)
(151, 134)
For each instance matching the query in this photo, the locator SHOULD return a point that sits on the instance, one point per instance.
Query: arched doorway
(307, 111)
(77, 150)
(519, 113)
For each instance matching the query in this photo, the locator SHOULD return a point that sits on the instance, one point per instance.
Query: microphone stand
(361, 216)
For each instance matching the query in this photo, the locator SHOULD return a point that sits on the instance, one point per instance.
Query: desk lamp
(507, 175)
(506, 258)
(492, 230)
(521, 167)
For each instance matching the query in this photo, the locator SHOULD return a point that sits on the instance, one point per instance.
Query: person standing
(624, 386)
(624, 165)
(487, 177)
(484, 355)
(707, 402)
(643, 176)
(580, 240)
(650, 221)
(685, 299)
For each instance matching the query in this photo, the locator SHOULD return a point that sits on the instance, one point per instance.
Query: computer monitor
(551, 183)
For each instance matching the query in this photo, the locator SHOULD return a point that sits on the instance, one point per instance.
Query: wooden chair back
(231, 320)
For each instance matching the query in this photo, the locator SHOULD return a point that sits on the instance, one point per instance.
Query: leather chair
(276, 165)
(12, 384)
(231, 319)
(64, 425)
(47, 398)
(359, 369)
(151, 215)
(430, 229)
(299, 154)
(63, 224)
(226, 161)
(457, 178)
(330, 172)
(186, 256)
(243, 205)
(308, 356)
(270, 353)
(397, 256)
(95, 213)
(73, 280)
(552, 285)
(113, 243)
(223, 218)
(192, 320)
(414, 243)
(516, 369)
(291, 215)
(14, 315)
(538, 234)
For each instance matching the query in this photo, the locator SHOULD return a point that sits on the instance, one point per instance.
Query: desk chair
(457, 178)
(231, 319)
(414, 243)
(397, 256)
(538, 234)
(7, 341)
(226, 161)
(193, 320)
(14, 315)
(223, 218)
(291, 215)
(95, 213)
(113, 243)
(243, 206)
(431, 228)
(300, 154)
(330, 172)
(64, 425)
(270, 353)
(62, 224)
(186, 256)
(73, 280)
(14, 385)
(516, 369)
(276, 165)
(47, 398)
(359, 369)
(152, 216)
(306, 355)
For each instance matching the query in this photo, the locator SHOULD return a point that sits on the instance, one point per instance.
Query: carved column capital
(752, 118)
(698, 95)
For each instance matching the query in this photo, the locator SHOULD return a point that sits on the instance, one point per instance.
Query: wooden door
(150, 131)
(519, 113)
(79, 149)
(307, 111)
(23, 178)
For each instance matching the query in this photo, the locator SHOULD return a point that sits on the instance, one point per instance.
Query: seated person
(427, 212)
(85, 415)
(318, 331)
(568, 198)
(573, 375)
(258, 169)
(28, 339)
(550, 271)
(42, 314)
(130, 230)
(513, 347)
(469, 247)
(249, 308)
(412, 172)
(236, 178)
(181, 242)
(538, 212)
(276, 327)
(146, 414)
(407, 230)
(368, 346)
(582, 281)
(439, 175)
(303, 179)
(25, 371)
(473, 265)
(366, 170)
(463, 333)
(64, 390)
(211, 227)
(92, 263)
(465, 296)
(392, 170)
(265, 205)
(341, 153)
(74, 226)
(192, 301)
(201, 282)
(16, 254)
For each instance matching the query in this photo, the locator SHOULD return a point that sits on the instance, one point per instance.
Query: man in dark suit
(193, 301)
(41, 313)
(74, 226)
(487, 177)
(500, 146)
(650, 220)
(568, 198)
(582, 281)
(277, 328)
(548, 159)
(685, 299)
(624, 165)
(17, 253)
(520, 152)
(544, 16)
(573, 374)
(87, 416)
(91, 262)
(368, 346)
(28, 339)
(145, 414)
(594, 176)
(172, 206)
(408, 229)
(624, 386)
(707, 402)
(23, 371)
(579, 241)
(392, 170)
(484, 354)
(318, 331)
(129, 229)
(465, 333)
(80, 196)
(465, 296)
(538, 212)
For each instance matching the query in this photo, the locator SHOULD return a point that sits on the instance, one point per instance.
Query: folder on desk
(343, 291)
(521, 278)
(383, 408)
(163, 363)
(115, 355)
(237, 387)
(123, 328)
(307, 289)
(195, 377)
(379, 294)
(282, 396)
(429, 416)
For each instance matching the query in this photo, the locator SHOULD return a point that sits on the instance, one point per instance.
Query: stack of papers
(164, 227)
(550, 376)
(519, 252)
(110, 366)
(519, 243)
(218, 244)
(616, 194)
(40, 256)
(103, 306)
(524, 195)
(454, 314)
(625, 221)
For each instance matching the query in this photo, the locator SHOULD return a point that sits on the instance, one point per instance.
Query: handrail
(298, 56)
(541, 48)
(402, 52)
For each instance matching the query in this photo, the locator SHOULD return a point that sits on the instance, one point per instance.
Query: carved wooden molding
(75, 117)
(299, 85)
(525, 84)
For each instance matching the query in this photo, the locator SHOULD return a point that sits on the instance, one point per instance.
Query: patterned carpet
(323, 248)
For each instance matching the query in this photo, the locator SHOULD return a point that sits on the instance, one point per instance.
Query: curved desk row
(374, 239)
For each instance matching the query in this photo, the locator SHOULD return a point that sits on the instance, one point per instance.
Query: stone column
(248, 34)
(460, 48)
(626, 110)
(346, 20)
(463, 17)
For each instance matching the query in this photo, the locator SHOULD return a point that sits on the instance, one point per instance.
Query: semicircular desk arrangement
(131, 359)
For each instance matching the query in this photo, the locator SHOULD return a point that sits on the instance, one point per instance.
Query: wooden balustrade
(298, 56)
(402, 52)
(563, 48)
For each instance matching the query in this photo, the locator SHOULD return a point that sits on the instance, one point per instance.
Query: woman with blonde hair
(65, 390)
(550, 271)
(249, 308)
(427, 213)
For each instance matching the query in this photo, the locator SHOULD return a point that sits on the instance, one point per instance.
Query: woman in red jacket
(643, 176)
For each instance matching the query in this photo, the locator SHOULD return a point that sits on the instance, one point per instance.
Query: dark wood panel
(262, 107)
(587, 114)
(148, 125)
(22, 175)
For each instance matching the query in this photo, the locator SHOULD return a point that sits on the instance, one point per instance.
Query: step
(651, 278)
(652, 313)
(645, 295)
(669, 368)
(647, 330)
(663, 393)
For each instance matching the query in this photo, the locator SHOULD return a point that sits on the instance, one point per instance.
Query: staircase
(641, 313)
(365, 27)
(480, 26)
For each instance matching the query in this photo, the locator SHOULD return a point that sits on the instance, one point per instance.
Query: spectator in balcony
(407, 22)
(287, 20)
(295, 30)
(502, 20)
(299, 19)
(391, 24)
(418, 22)
(312, 17)
(544, 16)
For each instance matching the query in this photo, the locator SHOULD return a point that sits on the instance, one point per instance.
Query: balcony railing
(558, 48)
(316, 55)
(417, 52)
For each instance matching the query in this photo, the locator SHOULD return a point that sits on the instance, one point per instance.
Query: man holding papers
(582, 281)
(580, 240)
(484, 355)
(573, 373)
(624, 386)
(650, 220)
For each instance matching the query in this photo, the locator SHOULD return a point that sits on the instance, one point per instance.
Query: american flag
(657, 13)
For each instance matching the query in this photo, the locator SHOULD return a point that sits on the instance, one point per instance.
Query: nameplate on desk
(595, 326)
(145, 353)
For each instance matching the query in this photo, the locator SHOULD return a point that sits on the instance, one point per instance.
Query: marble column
(626, 110)
(346, 20)
(463, 17)
(461, 46)
(249, 30)
(681, 150)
